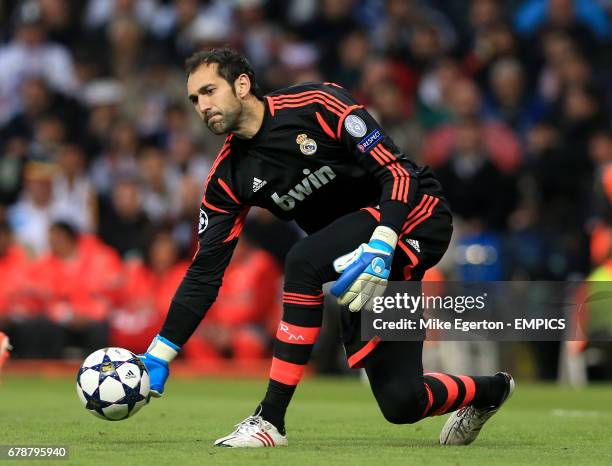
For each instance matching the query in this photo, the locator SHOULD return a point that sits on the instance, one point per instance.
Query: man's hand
(156, 359)
(365, 271)
(158, 373)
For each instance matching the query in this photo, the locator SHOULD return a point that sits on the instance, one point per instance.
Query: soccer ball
(113, 384)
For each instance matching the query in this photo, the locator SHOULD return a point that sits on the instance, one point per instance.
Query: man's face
(60, 243)
(214, 99)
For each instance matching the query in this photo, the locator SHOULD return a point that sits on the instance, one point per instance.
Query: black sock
(495, 389)
(274, 405)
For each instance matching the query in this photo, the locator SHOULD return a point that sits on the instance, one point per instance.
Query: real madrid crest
(308, 146)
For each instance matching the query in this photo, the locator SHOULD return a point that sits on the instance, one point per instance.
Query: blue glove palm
(365, 271)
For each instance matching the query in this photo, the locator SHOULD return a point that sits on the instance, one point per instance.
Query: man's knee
(401, 405)
(299, 261)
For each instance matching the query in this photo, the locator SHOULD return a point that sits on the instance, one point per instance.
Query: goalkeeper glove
(161, 352)
(365, 270)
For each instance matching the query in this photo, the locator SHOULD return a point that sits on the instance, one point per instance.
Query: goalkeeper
(312, 154)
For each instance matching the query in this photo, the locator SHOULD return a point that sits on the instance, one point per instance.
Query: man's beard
(226, 124)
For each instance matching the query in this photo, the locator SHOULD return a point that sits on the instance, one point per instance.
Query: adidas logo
(415, 244)
(258, 184)
(129, 374)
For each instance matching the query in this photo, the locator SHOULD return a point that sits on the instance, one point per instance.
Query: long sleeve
(365, 140)
(221, 220)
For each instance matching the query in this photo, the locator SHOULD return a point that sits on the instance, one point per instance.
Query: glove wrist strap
(385, 234)
(163, 349)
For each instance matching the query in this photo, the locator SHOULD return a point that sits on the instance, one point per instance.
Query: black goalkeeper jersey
(318, 156)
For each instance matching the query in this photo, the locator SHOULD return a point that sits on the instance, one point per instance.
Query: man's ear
(242, 86)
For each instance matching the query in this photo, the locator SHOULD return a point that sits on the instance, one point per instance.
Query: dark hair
(231, 64)
(67, 228)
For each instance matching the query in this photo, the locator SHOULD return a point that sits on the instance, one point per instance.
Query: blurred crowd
(102, 160)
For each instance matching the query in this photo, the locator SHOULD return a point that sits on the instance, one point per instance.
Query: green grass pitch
(331, 421)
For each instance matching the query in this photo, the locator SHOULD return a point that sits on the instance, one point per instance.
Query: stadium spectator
(384, 69)
(581, 113)
(487, 39)
(413, 30)
(560, 171)
(32, 215)
(157, 185)
(74, 196)
(509, 100)
(123, 222)
(256, 33)
(563, 65)
(433, 94)
(501, 143)
(14, 264)
(118, 158)
(333, 19)
(102, 98)
(60, 20)
(146, 292)
(393, 113)
(482, 15)
(38, 102)
(30, 54)
(75, 300)
(185, 159)
(176, 26)
(19, 310)
(153, 96)
(125, 40)
(49, 134)
(97, 14)
(242, 321)
(481, 194)
(583, 19)
(353, 59)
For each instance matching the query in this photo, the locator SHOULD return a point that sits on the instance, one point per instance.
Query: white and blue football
(113, 384)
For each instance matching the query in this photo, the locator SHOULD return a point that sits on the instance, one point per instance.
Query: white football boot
(463, 426)
(253, 432)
